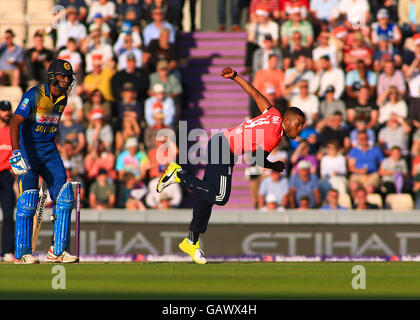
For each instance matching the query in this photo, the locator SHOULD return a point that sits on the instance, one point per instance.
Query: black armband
(234, 75)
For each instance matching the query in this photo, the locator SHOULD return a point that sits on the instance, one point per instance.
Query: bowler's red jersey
(264, 131)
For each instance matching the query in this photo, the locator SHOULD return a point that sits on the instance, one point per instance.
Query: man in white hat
(159, 102)
(304, 183)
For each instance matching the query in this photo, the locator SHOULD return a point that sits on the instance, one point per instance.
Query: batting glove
(19, 166)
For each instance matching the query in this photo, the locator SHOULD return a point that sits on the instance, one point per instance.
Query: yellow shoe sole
(170, 170)
(190, 249)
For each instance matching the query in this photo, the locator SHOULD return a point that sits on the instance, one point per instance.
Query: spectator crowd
(352, 66)
(128, 86)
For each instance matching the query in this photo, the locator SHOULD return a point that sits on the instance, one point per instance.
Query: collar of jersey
(48, 93)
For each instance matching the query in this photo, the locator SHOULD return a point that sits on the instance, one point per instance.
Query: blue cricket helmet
(60, 67)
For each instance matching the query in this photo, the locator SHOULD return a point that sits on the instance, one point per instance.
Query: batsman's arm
(261, 101)
(19, 165)
(15, 123)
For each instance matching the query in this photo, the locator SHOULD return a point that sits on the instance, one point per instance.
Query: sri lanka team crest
(66, 66)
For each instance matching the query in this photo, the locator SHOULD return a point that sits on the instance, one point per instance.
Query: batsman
(33, 128)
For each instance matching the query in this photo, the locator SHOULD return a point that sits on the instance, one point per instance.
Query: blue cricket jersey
(42, 115)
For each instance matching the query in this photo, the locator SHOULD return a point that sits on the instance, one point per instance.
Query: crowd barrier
(253, 235)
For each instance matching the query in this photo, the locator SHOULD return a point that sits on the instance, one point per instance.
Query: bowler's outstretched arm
(261, 101)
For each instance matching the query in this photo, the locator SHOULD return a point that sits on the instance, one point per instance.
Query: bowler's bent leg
(219, 180)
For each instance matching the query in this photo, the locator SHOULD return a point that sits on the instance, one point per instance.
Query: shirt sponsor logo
(276, 120)
(24, 103)
(47, 119)
(257, 122)
(45, 129)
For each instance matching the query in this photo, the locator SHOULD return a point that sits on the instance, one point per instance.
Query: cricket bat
(38, 214)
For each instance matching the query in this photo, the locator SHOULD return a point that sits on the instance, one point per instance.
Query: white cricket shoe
(27, 259)
(64, 257)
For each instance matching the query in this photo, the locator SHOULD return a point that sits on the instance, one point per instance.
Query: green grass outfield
(233, 280)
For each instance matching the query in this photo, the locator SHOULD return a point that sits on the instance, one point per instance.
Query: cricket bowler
(259, 136)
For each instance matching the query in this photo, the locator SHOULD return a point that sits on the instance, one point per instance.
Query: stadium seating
(375, 198)
(13, 17)
(35, 7)
(44, 17)
(344, 200)
(13, 94)
(402, 201)
(7, 6)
